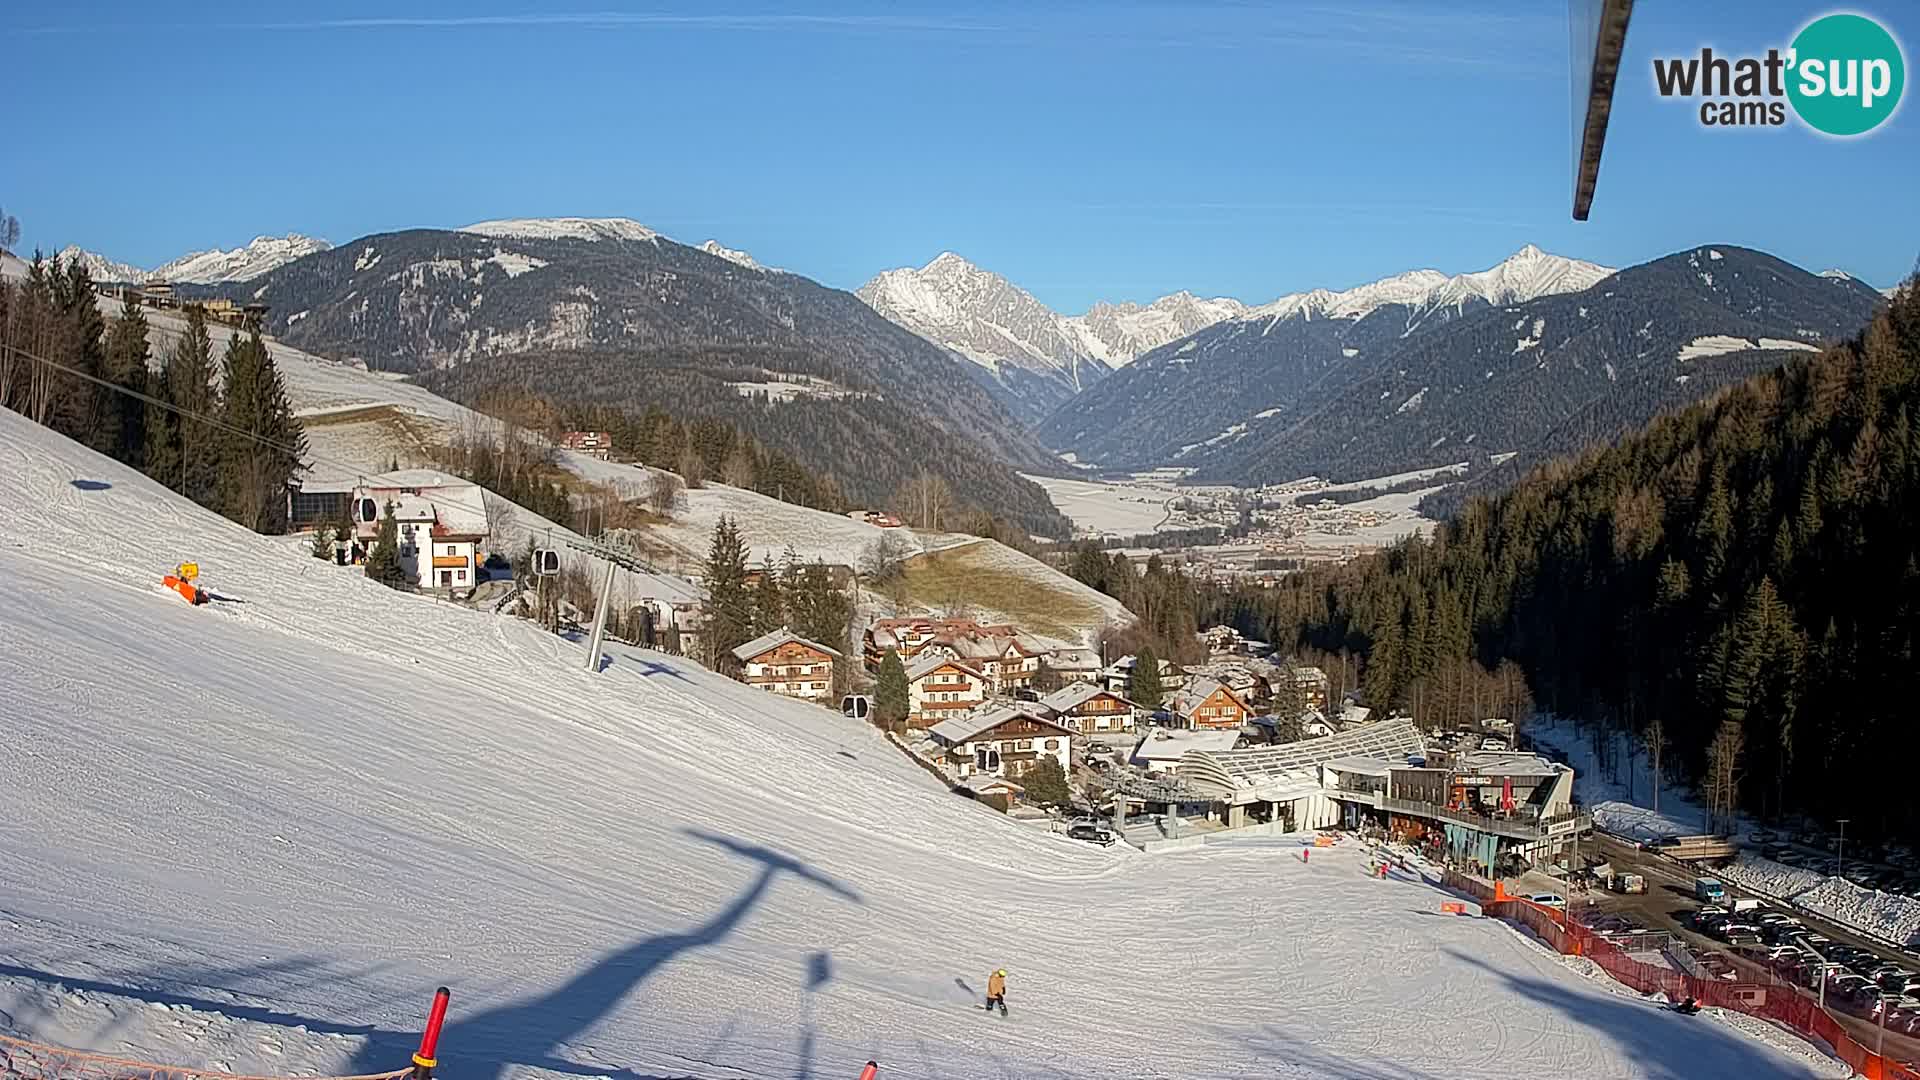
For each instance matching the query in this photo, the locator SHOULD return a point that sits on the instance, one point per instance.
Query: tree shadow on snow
(1662, 1045)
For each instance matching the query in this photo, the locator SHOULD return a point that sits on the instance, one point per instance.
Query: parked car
(1093, 834)
(1552, 900)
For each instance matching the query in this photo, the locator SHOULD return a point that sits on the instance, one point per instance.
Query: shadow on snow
(533, 1031)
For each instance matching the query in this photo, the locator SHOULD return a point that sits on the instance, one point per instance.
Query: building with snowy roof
(1004, 741)
(1075, 665)
(1291, 783)
(1091, 709)
(441, 519)
(1162, 750)
(1118, 676)
(940, 687)
(1208, 703)
(785, 663)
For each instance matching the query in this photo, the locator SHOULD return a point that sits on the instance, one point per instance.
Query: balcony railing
(1525, 823)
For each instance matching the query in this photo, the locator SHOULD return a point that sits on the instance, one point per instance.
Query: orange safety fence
(1783, 1003)
(34, 1061)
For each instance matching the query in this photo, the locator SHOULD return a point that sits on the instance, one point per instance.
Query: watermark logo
(1842, 75)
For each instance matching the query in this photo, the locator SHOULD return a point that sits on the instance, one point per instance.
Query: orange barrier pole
(872, 1070)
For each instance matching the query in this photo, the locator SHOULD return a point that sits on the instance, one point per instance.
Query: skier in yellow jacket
(997, 990)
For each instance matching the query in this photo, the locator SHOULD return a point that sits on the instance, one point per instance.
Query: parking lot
(1886, 869)
(1669, 905)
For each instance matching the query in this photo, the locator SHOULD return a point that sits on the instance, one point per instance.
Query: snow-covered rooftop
(1163, 745)
(774, 640)
(958, 729)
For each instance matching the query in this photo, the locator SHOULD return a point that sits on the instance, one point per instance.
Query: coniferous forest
(1736, 586)
(212, 423)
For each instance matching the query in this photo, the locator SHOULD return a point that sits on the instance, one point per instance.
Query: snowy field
(1405, 520)
(769, 526)
(1107, 509)
(256, 834)
(1434, 473)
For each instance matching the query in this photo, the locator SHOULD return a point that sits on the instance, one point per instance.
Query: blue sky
(1103, 150)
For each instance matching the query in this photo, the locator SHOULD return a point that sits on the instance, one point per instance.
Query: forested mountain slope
(1741, 574)
(1558, 373)
(608, 291)
(862, 445)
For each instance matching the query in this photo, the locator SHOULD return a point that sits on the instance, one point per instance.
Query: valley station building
(1484, 810)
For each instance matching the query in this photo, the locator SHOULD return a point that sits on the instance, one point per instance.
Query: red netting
(1784, 1003)
(33, 1061)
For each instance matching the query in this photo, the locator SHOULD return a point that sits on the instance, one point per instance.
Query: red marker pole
(872, 1070)
(423, 1059)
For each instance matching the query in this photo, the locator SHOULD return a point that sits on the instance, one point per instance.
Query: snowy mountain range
(1525, 275)
(1529, 357)
(262, 254)
(1025, 352)
(1119, 334)
(564, 228)
(1038, 358)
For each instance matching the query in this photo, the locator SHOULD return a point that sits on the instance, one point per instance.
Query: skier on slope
(997, 990)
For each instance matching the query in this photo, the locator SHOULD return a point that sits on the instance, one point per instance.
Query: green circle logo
(1847, 74)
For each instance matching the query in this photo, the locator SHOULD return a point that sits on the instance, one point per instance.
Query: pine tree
(383, 561)
(1046, 782)
(822, 611)
(1781, 560)
(262, 443)
(160, 445)
(729, 601)
(1143, 686)
(1713, 532)
(195, 452)
(890, 695)
(323, 542)
(769, 605)
(79, 404)
(126, 367)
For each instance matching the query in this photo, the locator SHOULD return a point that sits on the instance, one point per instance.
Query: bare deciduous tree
(1654, 741)
(664, 493)
(692, 470)
(500, 518)
(926, 500)
(1723, 776)
(884, 558)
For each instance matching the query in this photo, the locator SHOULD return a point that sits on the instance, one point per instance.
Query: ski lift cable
(630, 562)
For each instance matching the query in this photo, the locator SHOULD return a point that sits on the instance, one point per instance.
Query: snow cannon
(182, 581)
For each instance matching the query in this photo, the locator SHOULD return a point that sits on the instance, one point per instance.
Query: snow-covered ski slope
(293, 812)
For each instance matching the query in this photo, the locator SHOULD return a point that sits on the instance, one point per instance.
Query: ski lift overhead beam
(623, 559)
(1597, 32)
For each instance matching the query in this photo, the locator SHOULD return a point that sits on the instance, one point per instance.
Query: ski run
(254, 835)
